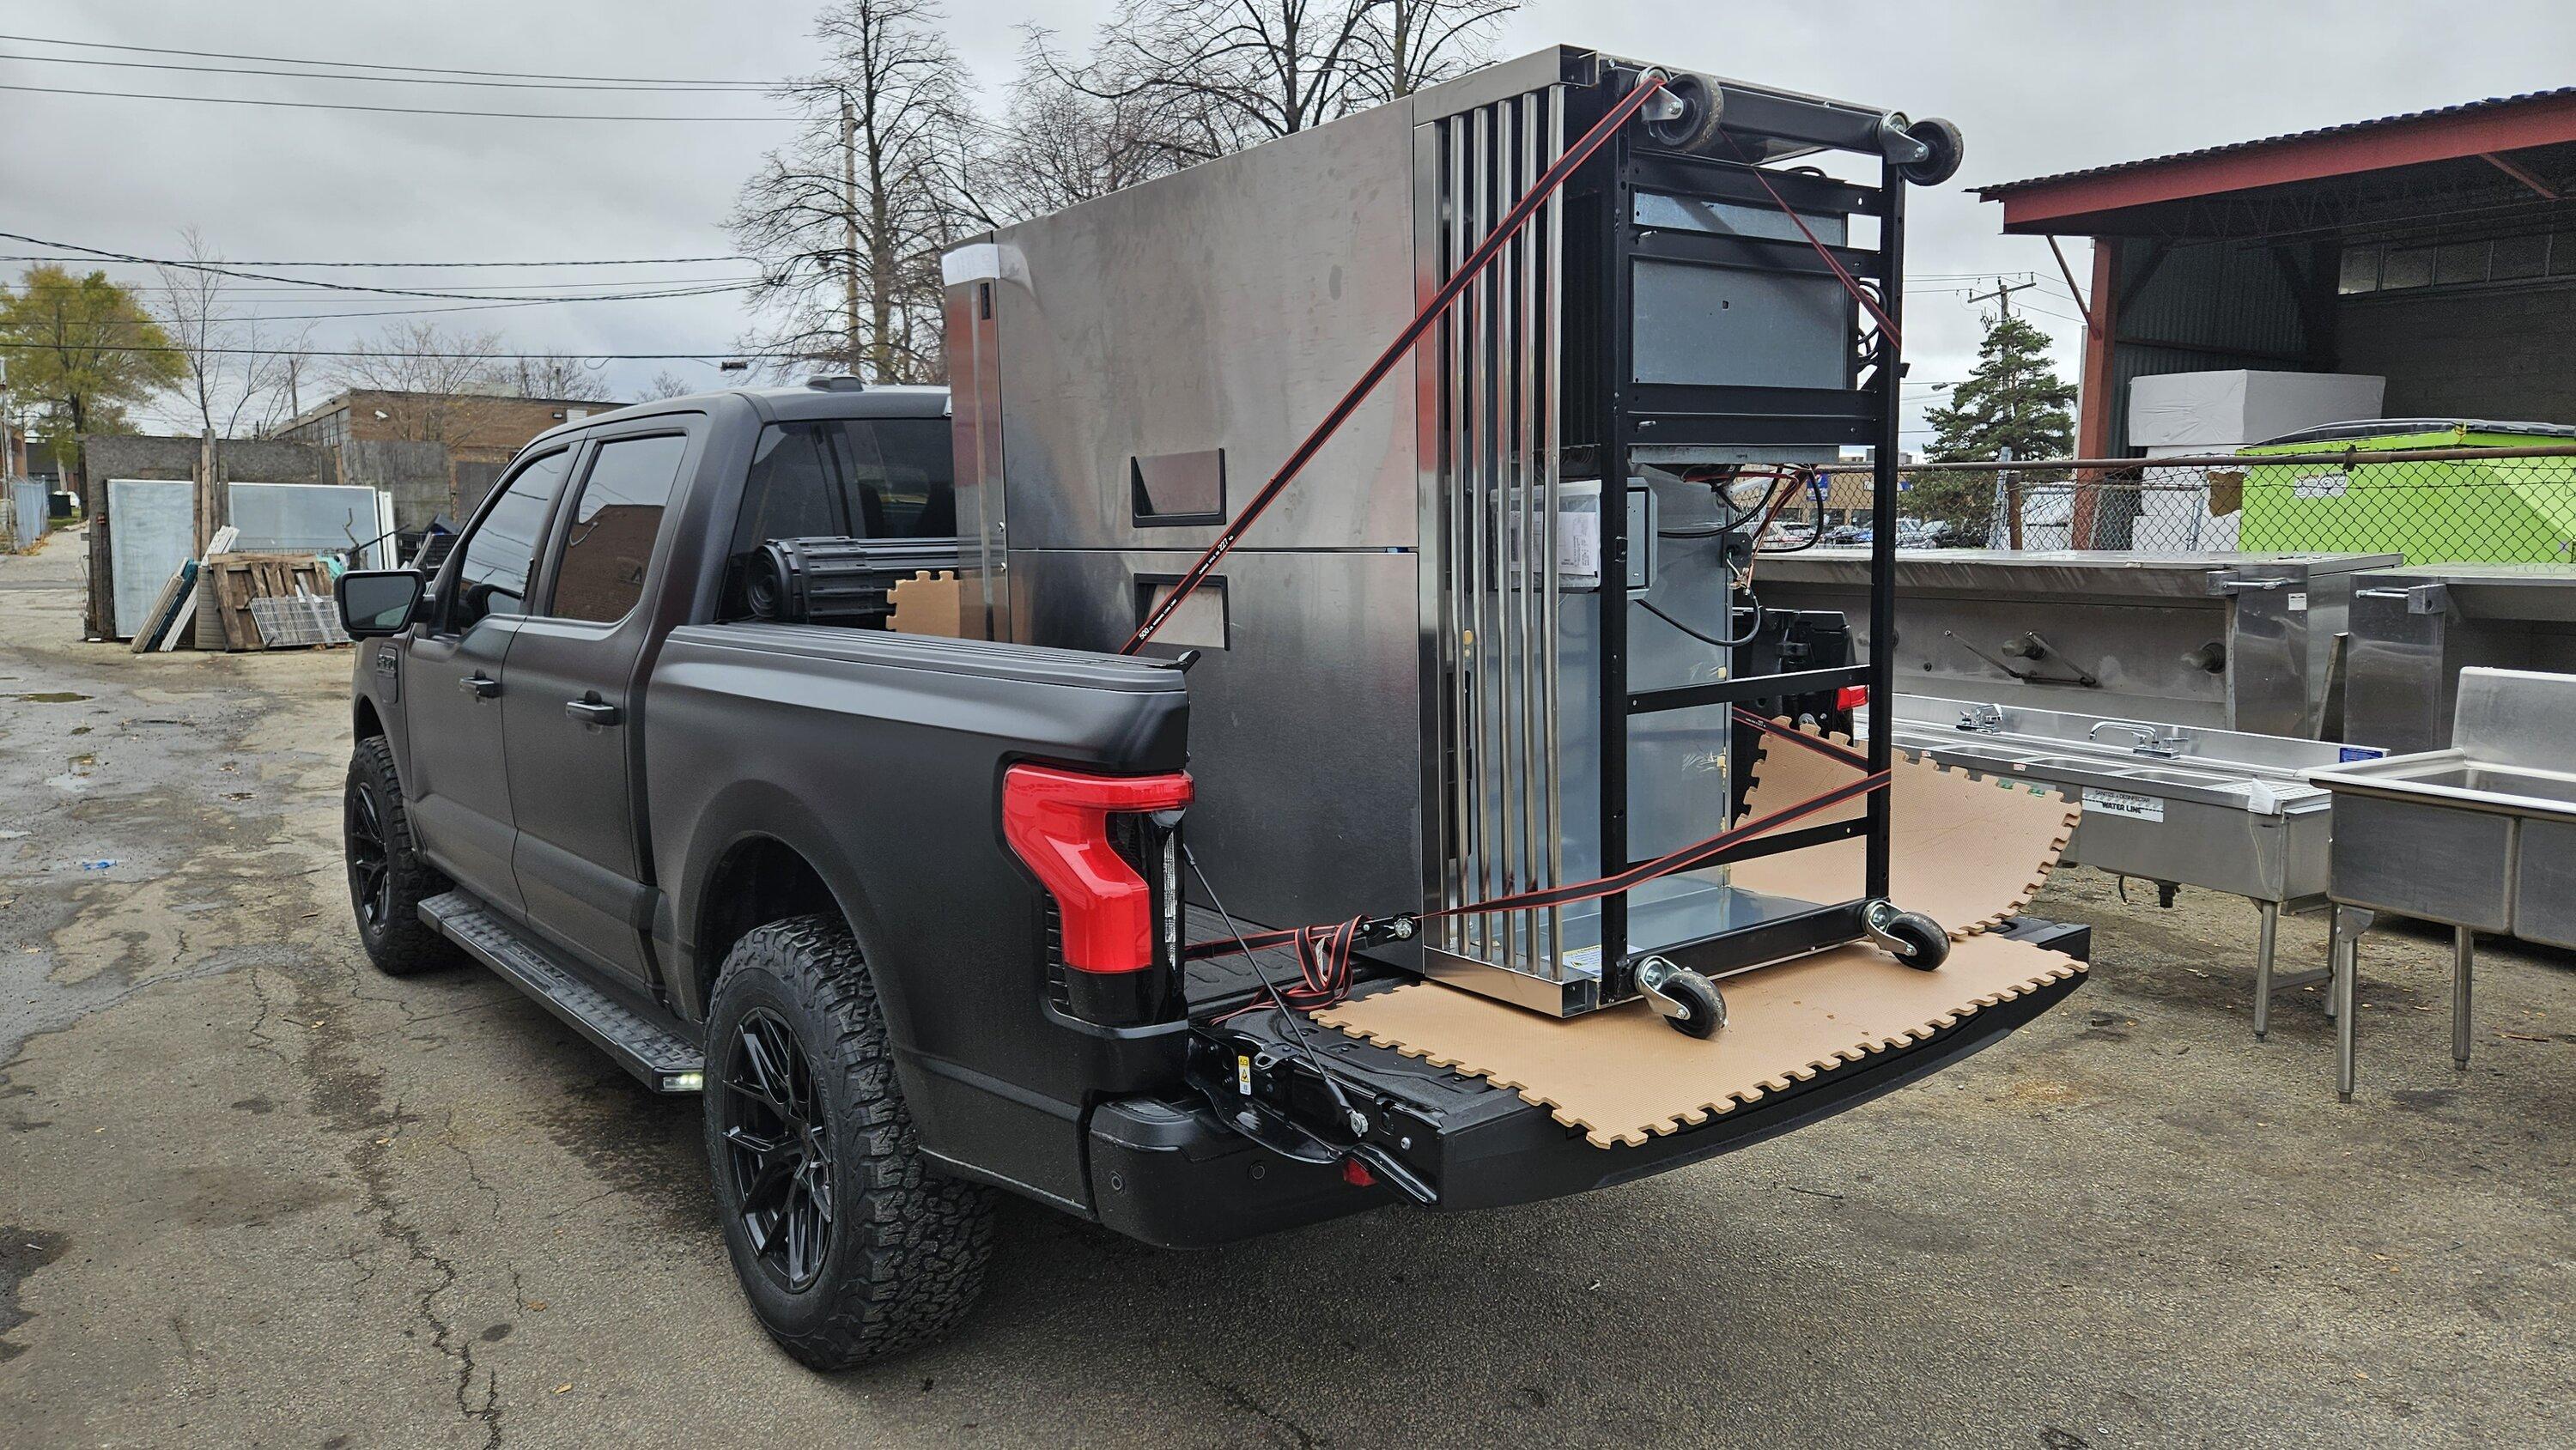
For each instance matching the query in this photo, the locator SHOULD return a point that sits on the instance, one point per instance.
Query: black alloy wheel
(371, 873)
(779, 1149)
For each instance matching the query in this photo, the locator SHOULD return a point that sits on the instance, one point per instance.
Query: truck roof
(891, 400)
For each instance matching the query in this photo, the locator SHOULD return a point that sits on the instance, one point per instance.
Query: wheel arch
(756, 854)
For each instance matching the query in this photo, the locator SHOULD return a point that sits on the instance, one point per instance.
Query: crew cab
(902, 906)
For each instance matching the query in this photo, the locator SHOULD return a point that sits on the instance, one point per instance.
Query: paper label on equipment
(1578, 544)
(2298, 603)
(2121, 803)
(2320, 485)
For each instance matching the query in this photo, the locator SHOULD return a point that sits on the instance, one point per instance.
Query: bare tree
(447, 375)
(1215, 78)
(234, 371)
(1059, 144)
(667, 384)
(848, 219)
(568, 379)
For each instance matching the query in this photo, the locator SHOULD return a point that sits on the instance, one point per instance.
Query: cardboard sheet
(1967, 852)
(1622, 1076)
(926, 604)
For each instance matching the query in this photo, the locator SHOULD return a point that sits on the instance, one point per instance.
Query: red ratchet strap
(1324, 952)
(1851, 284)
(1486, 251)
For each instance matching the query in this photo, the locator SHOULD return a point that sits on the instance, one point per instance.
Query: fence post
(2006, 519)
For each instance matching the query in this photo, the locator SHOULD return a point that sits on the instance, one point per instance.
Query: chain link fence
(2433, 505)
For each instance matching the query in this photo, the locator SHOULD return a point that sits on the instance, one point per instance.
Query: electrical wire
(390, 110)
(216, 269)
(306, 75)
(576, 262)
(1749, 635)
(364, 65)
(1287, 1016)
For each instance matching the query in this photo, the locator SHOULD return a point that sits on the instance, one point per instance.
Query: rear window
(869, 478)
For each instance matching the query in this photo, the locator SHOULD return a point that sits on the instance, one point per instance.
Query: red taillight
(1851, 697)
(1058, 823)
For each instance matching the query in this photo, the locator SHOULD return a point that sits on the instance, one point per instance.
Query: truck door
(455, 670)
(569, 725)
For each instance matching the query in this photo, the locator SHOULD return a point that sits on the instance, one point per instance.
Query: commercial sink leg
(2350, 923)
(2463, 952)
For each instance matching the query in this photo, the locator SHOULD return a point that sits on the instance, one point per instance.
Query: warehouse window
(2380, 267)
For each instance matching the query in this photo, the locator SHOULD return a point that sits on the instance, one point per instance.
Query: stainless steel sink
(2513, 790)
(2481, 837)
(2175, 804)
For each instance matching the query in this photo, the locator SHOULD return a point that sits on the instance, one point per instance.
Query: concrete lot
(252, 1193)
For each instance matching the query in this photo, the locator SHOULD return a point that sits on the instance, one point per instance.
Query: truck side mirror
(379, 602)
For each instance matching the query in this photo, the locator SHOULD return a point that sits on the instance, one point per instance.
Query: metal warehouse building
(2436, 249)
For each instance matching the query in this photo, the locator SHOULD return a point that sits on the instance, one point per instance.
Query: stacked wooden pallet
(234, 581)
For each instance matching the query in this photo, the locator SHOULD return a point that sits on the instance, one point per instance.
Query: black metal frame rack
(1628, 413)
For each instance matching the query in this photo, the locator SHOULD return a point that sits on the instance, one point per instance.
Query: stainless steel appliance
(2480, 836)
(2179, 805)
(2220, 641)
(1408, 695)
(2415, 628)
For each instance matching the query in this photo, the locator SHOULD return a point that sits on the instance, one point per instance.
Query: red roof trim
(2404, 141)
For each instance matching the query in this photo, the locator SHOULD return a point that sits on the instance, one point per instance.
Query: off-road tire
(907, 1246)
(400, 944)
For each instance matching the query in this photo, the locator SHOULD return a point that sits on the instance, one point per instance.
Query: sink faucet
(2143, 738)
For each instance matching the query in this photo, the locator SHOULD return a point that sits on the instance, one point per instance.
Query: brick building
(398, 440)
(482, 427)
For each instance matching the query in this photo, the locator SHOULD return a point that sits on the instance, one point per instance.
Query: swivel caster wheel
(1689, 1002)
(1909, 936)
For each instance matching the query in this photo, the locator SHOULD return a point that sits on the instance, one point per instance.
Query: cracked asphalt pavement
(253, 1194)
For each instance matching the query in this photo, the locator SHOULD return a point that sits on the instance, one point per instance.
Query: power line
(307, 75)
(498, 291)
(581, 262)
(788, 354)
(393, 110)
(369, 65)
(222, 271)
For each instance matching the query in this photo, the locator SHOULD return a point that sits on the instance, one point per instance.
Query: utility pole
(2005, 493)
(850, 224)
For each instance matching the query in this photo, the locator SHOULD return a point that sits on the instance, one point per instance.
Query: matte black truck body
(620, 801)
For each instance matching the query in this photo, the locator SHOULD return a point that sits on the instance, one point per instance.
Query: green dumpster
(2483, 510)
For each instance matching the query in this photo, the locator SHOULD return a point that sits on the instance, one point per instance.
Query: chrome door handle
(481, 687)
(592, 712)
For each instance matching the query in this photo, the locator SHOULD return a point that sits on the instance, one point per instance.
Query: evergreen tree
(2012, 399)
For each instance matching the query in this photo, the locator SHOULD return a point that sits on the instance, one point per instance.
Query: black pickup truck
(904, 908)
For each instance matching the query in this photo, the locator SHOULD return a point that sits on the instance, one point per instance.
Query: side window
(613, 526)
(902, 470)
(492, 571)
(793, 491)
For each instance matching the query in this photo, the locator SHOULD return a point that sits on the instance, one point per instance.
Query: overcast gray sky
(2038, 87)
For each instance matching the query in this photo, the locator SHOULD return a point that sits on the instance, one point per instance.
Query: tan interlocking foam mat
(1966, 851)
(1621, 1075)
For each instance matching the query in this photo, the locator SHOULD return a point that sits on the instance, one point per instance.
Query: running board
(660, 1059)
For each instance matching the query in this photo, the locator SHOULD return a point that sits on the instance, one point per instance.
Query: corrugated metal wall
(2205, 306)
(2212, 305)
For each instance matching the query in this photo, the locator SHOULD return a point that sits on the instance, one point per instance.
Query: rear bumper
(1177, 1175)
